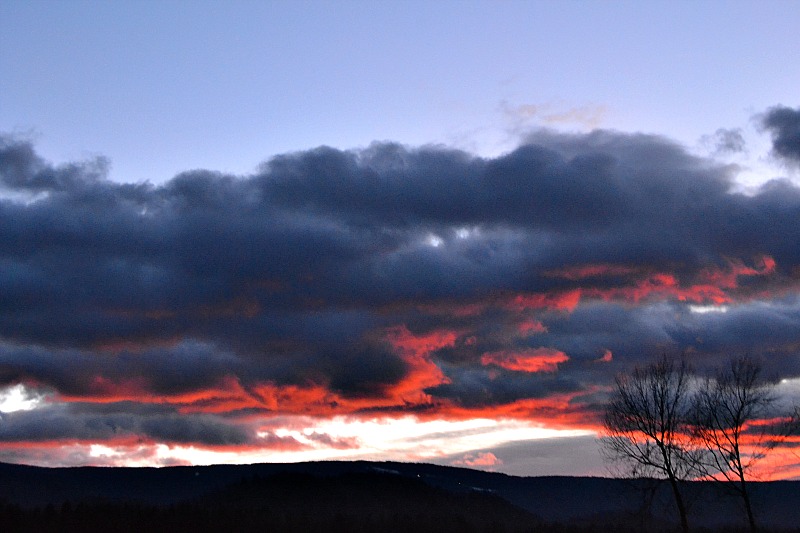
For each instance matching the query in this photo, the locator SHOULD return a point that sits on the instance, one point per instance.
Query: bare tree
(645, 425)
(722, 418)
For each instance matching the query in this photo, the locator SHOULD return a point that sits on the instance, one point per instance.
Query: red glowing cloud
(712, 285)
(420, 345)
(227, 396)
(531, 326)
(317, 399)
(606, 358)
(479, 460)
(582, 272)
(530, 360)
(560, 301)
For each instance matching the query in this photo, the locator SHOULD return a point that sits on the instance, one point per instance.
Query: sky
(234, 232)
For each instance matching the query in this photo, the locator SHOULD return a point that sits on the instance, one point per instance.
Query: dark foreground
(360, 497)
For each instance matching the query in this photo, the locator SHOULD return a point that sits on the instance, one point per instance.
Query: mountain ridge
(568, 500)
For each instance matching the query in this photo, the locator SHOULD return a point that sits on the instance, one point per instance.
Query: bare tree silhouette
(722, 419)
(645, 425)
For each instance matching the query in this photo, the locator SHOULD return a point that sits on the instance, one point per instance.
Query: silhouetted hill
(361, 496)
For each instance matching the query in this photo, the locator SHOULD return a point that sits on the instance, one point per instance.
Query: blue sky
(162, 87)
(486, 242)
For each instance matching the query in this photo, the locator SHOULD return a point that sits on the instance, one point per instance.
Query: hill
(360, 496)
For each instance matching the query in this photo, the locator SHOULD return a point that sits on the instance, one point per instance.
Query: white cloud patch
(19, 398)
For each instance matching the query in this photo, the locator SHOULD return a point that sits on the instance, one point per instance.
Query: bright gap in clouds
(18, 398)
(460, 233)
(406, 439)
(434, 240)
(703, 309)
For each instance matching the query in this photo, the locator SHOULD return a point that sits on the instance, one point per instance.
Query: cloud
(530, 360)
(382, 282)
(589, 116)
(607, 357)
(558, 456)
(19, 398)
(725, 141)
(485, 460)
(122, 421)
(784, 125)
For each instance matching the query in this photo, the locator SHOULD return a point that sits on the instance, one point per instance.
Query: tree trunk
(676, 491)
(679, 502)
(746, 497)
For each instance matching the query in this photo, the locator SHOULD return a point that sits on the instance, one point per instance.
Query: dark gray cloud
(784, 125)
(187, 367)
(725, 141)
(296, 275)
(481, 387)
(121, 421)
(764, 330)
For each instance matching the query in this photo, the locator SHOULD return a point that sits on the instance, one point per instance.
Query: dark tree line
(289, 503)
(664, 421)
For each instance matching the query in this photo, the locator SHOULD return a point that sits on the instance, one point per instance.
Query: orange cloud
(481, 459)
(530, 360)
(420, 345)
(714, 285)
(606, 358)
(311, 399)
(557, 411)
(592, 271)
(561, 301)
(228, 395)
(423, 372)
(728, 278)
(530, 326)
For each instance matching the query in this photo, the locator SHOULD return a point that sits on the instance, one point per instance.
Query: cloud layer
(383, 282)
(784, 125)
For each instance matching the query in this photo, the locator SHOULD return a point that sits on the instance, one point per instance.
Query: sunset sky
(235, 232)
